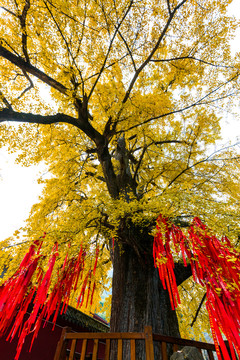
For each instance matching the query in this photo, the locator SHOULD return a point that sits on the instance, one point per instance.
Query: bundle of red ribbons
(215, 264)
(18, 292)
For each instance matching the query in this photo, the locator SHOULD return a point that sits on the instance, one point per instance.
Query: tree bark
(138, 298)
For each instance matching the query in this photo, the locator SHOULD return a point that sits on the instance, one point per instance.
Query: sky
(19, 189)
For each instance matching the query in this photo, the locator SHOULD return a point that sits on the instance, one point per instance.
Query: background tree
(128, 125)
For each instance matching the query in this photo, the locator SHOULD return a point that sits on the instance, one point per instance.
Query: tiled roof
(78, 318)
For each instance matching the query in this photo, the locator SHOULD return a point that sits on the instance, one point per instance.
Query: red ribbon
(215, 264)
(18, 292)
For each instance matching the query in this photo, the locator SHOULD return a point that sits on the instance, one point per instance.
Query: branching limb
(187, 107)
(197, 132)
(146, 147)
(18, 244)
(112, 64)
(82, 32)
(128, 49)
(66, 44)
(29, 87)
(27, 67)
(139, 162)
(110, 47)
(22, 19)
(161, 142)
(5, 101)
(188, 167)
(84, 125)
(90, 173)
(7, 10)
(198, 310)
(10, 115)
(155, 48)
(71, 17)
(169, 8)
(192, 58)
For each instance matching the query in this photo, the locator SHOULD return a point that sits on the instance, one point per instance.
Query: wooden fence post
(60, 353)
(149, 343)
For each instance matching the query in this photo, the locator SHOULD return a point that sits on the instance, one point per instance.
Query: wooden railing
(179, 343)
(69, 340)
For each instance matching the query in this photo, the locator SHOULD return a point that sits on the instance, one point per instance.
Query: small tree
(128, 125)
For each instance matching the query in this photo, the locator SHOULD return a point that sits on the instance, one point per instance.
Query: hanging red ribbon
(18, 292)
(215, 264)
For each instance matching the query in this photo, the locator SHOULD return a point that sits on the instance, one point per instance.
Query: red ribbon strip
(215, 264)
(18, 292)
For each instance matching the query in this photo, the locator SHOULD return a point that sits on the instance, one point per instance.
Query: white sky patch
(230, 124)
(234, 10)
(19, 190)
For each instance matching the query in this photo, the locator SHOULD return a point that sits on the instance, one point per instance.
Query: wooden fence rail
(69, 340)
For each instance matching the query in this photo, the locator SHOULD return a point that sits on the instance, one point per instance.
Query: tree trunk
(138, 298)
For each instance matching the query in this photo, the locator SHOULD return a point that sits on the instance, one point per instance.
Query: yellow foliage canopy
(123, 102)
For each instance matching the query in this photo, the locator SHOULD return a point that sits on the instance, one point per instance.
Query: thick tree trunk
(138, 298)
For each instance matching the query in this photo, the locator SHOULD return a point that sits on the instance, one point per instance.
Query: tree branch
(66, 43)
(81, 123)
(22, 19)
(139, 163)
(207, 159)
(84, 125)
(191, 58)
(169, 8)
(9, 11)
(5, 101)
(25, 66)
(10, 115)
(90, 173)
(187, 107)
(128, 49)
(199, 308)
(145, 63)
(109, 48)
(161, 142)
(30, 86)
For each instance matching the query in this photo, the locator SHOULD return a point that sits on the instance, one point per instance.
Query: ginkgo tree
(122, 100)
